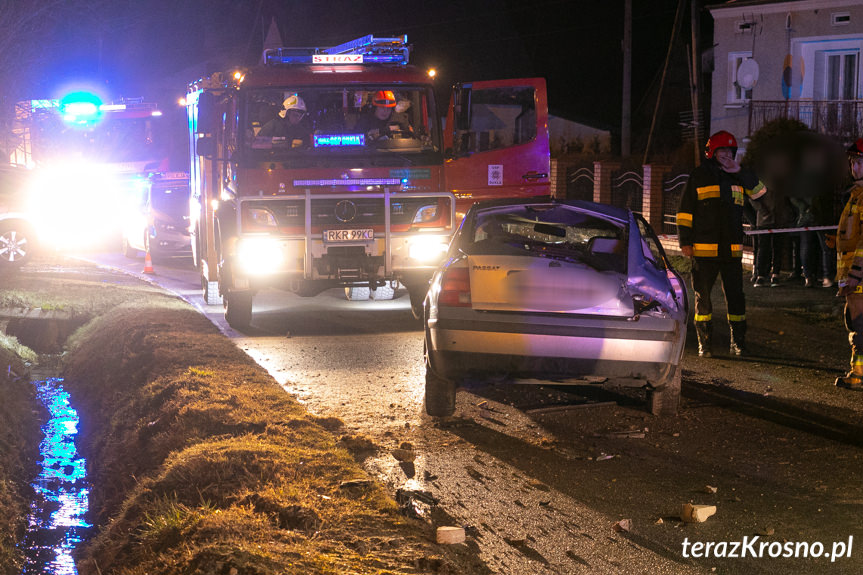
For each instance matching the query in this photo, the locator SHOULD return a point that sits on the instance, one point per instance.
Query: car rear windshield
(552, 231)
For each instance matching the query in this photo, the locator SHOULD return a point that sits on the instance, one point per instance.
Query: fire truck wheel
(210, 292)
(385, 292)
(356, 293)
(238, 310)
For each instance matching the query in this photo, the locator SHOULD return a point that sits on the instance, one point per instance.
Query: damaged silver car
(559, 292)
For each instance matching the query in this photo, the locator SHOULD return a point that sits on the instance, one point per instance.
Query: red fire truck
(327, 167)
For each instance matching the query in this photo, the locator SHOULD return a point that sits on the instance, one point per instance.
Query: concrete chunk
(696, 513)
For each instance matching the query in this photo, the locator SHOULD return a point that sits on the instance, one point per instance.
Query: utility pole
(626, 112)
(695, 76)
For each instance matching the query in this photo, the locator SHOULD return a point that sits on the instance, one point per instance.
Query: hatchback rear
(558, 292)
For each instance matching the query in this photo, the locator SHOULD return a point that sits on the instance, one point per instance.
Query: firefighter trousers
(704, 273)
(854, 323)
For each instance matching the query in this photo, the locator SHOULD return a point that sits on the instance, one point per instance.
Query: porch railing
(842, 119)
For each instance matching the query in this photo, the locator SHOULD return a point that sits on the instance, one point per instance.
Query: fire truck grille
(346, 211)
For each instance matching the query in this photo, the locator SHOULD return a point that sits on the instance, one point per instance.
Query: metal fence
(579, 183)
(841, 119)
(627, 189)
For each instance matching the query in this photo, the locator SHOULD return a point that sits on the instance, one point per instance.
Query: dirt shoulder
(198, 460)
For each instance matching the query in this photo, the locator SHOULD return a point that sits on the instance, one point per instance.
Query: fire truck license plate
(349, 235)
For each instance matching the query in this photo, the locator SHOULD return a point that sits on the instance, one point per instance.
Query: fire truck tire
(210, 292)
(238, 310)
(357, 293)
(664, 401)
(385, 292)
(17, 243)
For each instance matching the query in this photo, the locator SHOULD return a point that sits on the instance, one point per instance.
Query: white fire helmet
(292, 102)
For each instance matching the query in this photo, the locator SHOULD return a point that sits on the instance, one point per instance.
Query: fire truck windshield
(330, 121)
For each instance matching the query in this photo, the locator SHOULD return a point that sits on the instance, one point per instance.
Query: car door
(496, 141)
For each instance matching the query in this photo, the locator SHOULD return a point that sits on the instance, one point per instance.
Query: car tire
(665, 401)
(238, 310)
(16, 244)
(440, 394)
(417, 298)
(357, 293)
(129, 251)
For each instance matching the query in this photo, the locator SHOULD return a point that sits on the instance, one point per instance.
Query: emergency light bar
(350, 182)
(364, 50)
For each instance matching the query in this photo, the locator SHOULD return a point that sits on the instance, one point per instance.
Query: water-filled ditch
(57, 521)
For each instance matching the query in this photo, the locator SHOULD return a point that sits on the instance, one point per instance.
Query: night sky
(153, 48)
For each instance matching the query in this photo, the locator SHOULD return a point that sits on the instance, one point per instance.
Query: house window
(736, 93)
(840, 18)
(744, 27)
(840, 78)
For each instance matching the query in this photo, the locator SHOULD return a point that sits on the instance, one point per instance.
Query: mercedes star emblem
(346, 211)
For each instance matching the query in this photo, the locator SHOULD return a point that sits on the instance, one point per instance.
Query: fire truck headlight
(260, 256)
(262, 217)
(426, 214)
(428, 250)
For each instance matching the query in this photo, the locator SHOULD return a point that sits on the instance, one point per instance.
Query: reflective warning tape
(787, 230)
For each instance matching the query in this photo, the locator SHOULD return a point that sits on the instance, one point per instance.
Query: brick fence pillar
(602, 181)
(557, 178)
(651, 201)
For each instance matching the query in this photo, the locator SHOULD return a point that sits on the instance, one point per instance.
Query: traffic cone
(148, 264)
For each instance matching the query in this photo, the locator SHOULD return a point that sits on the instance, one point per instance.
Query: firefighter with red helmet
(849, 267)
(381, 123)
(710, 228)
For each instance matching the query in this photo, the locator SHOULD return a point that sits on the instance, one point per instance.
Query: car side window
(650, 245)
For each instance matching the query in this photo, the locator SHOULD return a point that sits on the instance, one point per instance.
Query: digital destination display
(324, 140)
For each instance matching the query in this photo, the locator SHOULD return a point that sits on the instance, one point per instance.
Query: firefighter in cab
(710, 228)
(849, 267)
(381, 122)
(292, 123)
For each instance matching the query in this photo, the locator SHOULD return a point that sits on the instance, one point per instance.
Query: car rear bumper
(649, 353)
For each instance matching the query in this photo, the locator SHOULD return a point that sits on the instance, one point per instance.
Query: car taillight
(455, 288)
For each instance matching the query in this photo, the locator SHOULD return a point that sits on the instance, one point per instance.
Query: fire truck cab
(327, 167)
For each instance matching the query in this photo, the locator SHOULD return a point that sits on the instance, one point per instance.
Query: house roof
(779, 5)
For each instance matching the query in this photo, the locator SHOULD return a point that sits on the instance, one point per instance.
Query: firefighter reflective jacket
(710, 217)
(849, 238)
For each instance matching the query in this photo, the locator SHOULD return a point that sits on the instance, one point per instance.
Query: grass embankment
(19, 441)
(201, 463)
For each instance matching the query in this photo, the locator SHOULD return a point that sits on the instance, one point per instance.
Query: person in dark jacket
(710, 228)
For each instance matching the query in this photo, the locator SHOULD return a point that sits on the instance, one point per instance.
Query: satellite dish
(747, 74)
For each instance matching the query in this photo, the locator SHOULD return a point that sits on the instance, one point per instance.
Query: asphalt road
(540, 475)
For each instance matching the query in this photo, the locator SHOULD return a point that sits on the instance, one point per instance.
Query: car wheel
(129, 251)
(16, 244)
(417, 297)
(440, 394)
(665, 400)
(238, 310)
(356, 293)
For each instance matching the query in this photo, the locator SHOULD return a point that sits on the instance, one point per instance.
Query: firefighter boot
(703, 330)
(851, 380)
(738, 337)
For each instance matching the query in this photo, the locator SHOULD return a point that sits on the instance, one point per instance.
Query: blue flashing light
(81, 108)
(337, 140)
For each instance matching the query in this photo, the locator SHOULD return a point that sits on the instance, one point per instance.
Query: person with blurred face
(292, 123)
(710, 228)
(382, 123)
(849, 267)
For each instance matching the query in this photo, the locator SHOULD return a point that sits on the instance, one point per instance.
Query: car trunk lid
(544, 285)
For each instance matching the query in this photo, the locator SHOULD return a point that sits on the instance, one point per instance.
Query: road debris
(603, 457)
(623, 525)
(416, 504)
(690, 513)
(567, 407)
(710, 489)
(448, 535)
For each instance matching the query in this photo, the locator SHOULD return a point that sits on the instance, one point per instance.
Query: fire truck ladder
(369, 49)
